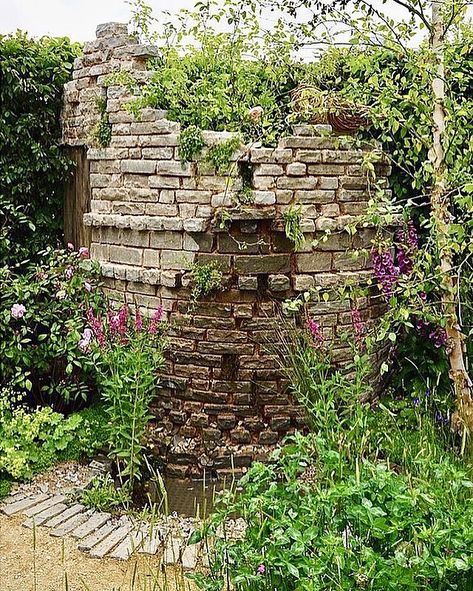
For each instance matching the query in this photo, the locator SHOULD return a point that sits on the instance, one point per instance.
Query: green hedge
(32, 168)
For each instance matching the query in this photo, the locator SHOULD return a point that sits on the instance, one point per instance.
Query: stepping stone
(40, 518)
(172, 550)
(67, 526)
(153, 541)
(96, 537)
(21, 505)
(64, 516)
(94, 522)
(129, 545)
(110, 541)
(44, 505)
(190, 556)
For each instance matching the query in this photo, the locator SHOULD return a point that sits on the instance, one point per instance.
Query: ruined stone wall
(223, 400)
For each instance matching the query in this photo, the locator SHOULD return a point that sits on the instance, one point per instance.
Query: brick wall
(223, 400)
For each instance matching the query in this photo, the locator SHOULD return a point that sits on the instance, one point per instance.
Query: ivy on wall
(32, 167)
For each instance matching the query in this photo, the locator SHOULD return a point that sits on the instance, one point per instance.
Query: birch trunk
(463, 417)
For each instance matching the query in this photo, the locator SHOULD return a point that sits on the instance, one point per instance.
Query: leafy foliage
(102, 495)
(42, 318)
(205, 278)
(219, 156)
(32, 440)
(371, 499)
(131, 354)
(292, 226)
(32, 168)
(102, 133)
(191, 142)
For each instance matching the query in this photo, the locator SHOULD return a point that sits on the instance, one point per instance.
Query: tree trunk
(463, 417)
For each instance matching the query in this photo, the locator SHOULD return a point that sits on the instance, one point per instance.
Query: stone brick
(163, 182)
(226, 421)
(156, 153)
(172, 168)
(314, 262)
(268, 170)
(268, 438)
(126, 255)
(167, 240)
(264, 197)
(278, 282)
(296, 169)
(276, 263)
(240, 435)
(296, 183)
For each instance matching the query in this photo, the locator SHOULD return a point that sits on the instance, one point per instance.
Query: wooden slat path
(100, 534)
(40, 518)
(95, 521)
(47, 504)
(64, 516)
(23, 504)
(112, 540)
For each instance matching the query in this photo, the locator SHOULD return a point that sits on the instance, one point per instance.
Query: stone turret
(223, 399)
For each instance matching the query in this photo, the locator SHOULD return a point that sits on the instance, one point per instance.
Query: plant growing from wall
(102, 133)
(205, 278)
(220, 155)
(292, 225)
(191, 143)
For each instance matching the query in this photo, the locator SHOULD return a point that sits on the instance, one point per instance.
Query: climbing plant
(32, 167)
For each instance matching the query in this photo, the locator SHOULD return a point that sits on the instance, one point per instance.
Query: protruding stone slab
(154, 540)
(93, 523)
(23, 504)
(14, 498)
(110, 541)
(190, 556)
(40, 518)
(44, 505)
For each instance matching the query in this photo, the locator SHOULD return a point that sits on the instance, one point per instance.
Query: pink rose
(18, 310)
(88, 286)
(69, 272)
(70, 246)
(83, 252)
(84, 343)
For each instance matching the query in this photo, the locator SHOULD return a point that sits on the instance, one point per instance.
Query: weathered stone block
(275, 263)
(296, 169)
(314, 262)
(278, 282)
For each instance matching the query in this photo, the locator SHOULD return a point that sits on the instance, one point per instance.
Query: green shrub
(102, 495)
(32, 167)
(31, 440)
(316, 522)
(42, 322)
(206, 278)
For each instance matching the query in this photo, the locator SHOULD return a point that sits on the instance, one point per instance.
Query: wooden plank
(44, 505)
(94, 522)
(62, 517)
(96, 537)
(13, 498)
(130, 544)
(67, 526)
(112, 540)
(77, 199)
(23, 504)
(40, 518)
